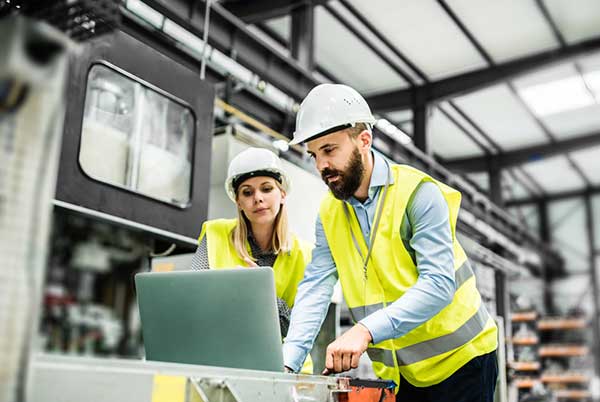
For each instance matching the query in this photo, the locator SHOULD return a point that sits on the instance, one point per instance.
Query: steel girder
(524, 155)
(470, 81)
(255, 11)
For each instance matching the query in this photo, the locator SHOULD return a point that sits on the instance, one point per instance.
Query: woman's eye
(247, 193)
(267, 189)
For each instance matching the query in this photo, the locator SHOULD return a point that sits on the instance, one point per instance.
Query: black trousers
(473, 382)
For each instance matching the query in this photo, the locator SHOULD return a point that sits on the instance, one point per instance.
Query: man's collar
(380, 171)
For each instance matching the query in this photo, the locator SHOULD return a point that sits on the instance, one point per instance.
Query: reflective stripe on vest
(381, 355)
(445, 343)
(433, 347)
(461, 275)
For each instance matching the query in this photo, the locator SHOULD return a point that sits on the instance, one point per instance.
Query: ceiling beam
(252, 12)
(590, 191)
(524, 155)
(371, 27)
(471, 81)
(368, 43)
(303, 36)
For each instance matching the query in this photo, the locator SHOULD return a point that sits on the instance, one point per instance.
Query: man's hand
(344, 353)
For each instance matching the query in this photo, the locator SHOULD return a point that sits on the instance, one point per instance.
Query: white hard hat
(328, 108)
(254, 162)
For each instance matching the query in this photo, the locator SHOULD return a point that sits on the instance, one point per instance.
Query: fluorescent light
(557, 96)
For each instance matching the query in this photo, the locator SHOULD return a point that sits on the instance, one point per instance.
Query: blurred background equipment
(33, 63)
(78, 19)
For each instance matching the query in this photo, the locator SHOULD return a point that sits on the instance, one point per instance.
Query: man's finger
(337, 362)
(326, 371)
(346, 361)
(329, 360)
(355, 360)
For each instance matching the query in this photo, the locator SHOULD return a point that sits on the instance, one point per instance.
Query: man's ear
(365, 138)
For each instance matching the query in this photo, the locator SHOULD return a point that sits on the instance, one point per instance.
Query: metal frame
(527, 154)
(252, 12)
(229, 35)
(594, 279)
(490, 159)
(148, 65)
(555, 197)
(420, 75)
(303, 42)
(360, 36)
(57, 378)
(545, 235)
(512, 88)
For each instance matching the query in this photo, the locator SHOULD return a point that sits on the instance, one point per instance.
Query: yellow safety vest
(432, 352)
(288, 267)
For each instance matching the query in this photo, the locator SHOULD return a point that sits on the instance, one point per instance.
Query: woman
(259, 236)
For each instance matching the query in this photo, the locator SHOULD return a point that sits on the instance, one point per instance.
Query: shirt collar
(380, 171)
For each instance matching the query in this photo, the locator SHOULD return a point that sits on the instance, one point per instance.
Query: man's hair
(357, 129)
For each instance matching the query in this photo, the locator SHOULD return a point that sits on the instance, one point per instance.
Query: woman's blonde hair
(280, 241)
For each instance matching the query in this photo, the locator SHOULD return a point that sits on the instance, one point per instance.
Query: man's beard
(349, 179)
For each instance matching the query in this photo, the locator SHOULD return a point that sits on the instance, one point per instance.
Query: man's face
(340, 162)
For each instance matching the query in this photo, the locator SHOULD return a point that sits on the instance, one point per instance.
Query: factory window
(136, 137)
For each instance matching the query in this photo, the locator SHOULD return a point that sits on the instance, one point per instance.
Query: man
(387, 232)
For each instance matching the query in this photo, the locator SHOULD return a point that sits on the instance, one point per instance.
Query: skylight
(559, 96)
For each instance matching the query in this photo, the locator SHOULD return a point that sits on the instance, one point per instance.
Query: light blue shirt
(425, 232)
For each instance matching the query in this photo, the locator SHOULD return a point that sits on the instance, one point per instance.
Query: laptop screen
(225, 317)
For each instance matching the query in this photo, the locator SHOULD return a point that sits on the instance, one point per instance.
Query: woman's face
(260, 198)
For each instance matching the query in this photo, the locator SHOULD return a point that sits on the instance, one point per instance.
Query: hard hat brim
(321, 134)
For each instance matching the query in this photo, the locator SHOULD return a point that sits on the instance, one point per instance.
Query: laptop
(224, 317)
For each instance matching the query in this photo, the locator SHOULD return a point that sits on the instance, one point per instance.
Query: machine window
(136, 138)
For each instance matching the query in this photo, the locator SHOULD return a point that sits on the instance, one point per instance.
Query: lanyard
(375, 224)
